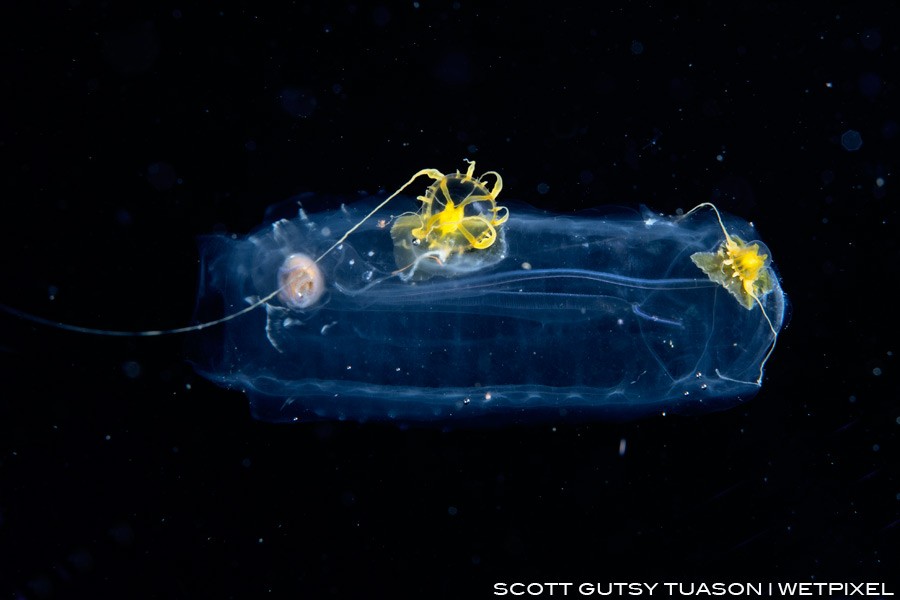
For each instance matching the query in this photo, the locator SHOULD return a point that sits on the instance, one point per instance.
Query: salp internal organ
(461, 308)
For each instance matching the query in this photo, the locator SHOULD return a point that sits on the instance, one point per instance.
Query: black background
(127, 132)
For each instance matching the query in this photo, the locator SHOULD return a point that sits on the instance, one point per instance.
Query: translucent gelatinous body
(597, 314)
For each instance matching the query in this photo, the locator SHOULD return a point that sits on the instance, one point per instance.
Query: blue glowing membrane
(461, 308)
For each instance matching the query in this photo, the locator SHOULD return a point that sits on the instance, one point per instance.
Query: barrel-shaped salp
(602, 314)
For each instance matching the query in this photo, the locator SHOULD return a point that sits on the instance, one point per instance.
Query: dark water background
(127, 132)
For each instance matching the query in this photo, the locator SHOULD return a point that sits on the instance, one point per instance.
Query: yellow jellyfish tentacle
(484, 240)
